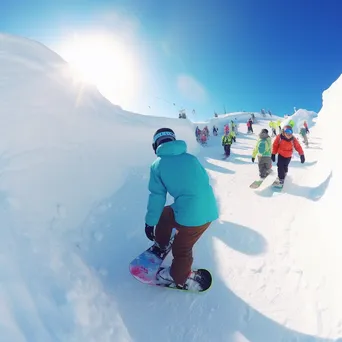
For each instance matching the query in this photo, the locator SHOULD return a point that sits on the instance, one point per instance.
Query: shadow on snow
(312, 193)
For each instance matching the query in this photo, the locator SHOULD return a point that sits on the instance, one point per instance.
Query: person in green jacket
(227, 141)
(263, 149)
(194, 208)
(273, 126)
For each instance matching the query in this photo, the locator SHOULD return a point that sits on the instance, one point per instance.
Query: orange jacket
(285, 146)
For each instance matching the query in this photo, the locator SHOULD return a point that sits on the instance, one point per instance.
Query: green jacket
(227, 139)
(263, 147)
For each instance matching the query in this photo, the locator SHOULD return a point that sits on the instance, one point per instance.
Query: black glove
(253, 160)
(273, 157)
(149, 231)
(302, 158)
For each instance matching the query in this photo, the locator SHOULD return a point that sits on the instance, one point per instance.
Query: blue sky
(199, 54)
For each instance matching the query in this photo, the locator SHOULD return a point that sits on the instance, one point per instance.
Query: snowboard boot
(161, 251)
(164, 277)
(279, 181)
(193, 282)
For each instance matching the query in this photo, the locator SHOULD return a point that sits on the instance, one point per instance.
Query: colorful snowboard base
(146, 265)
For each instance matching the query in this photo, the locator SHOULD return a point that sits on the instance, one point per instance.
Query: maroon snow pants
(182, 245)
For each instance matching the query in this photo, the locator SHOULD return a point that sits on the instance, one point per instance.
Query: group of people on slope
(283, 146)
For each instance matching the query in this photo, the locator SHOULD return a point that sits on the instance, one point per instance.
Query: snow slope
(73, 192)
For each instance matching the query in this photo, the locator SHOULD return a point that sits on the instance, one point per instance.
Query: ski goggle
(288, 131)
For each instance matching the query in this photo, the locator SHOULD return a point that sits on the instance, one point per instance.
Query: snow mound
(299, 117)
(64, 148)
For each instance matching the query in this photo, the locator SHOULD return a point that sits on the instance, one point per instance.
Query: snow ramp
(73, 192)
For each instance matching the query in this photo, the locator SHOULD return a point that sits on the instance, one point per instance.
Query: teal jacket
(184, 178)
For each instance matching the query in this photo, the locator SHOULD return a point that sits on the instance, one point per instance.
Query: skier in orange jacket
(283, 145)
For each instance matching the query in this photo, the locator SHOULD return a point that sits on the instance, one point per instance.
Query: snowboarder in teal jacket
(182, 176)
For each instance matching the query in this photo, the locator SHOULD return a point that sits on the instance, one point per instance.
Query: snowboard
(146, 265)
(256, 184)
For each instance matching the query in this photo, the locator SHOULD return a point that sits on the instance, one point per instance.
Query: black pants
(283, 166)
(227, 150)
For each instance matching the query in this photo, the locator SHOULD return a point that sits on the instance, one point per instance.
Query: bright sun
(105, 62)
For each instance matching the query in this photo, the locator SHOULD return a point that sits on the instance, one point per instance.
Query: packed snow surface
(73, 192)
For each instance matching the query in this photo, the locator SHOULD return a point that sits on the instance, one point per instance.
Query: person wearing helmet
(263, 149)
(194, 208)
(227, 141)
(283, 145)
(306, 127)
(303, 133)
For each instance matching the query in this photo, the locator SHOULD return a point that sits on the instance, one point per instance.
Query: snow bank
(299, 117)
(63, 149)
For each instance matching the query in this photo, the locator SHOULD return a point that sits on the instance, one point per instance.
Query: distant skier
(306, 127)
(278, 125)
(273, 127)
(198, 134)
(236, 127)
(182, 176)
(227, 141)
(226, 129)
(303, 133)
(203, 137)
(215, 130)
(250, 126)
(283, 145)
(263, 149)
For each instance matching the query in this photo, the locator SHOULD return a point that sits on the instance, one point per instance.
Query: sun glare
(105, 62)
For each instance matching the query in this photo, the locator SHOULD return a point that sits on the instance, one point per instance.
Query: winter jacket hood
(171, 148)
